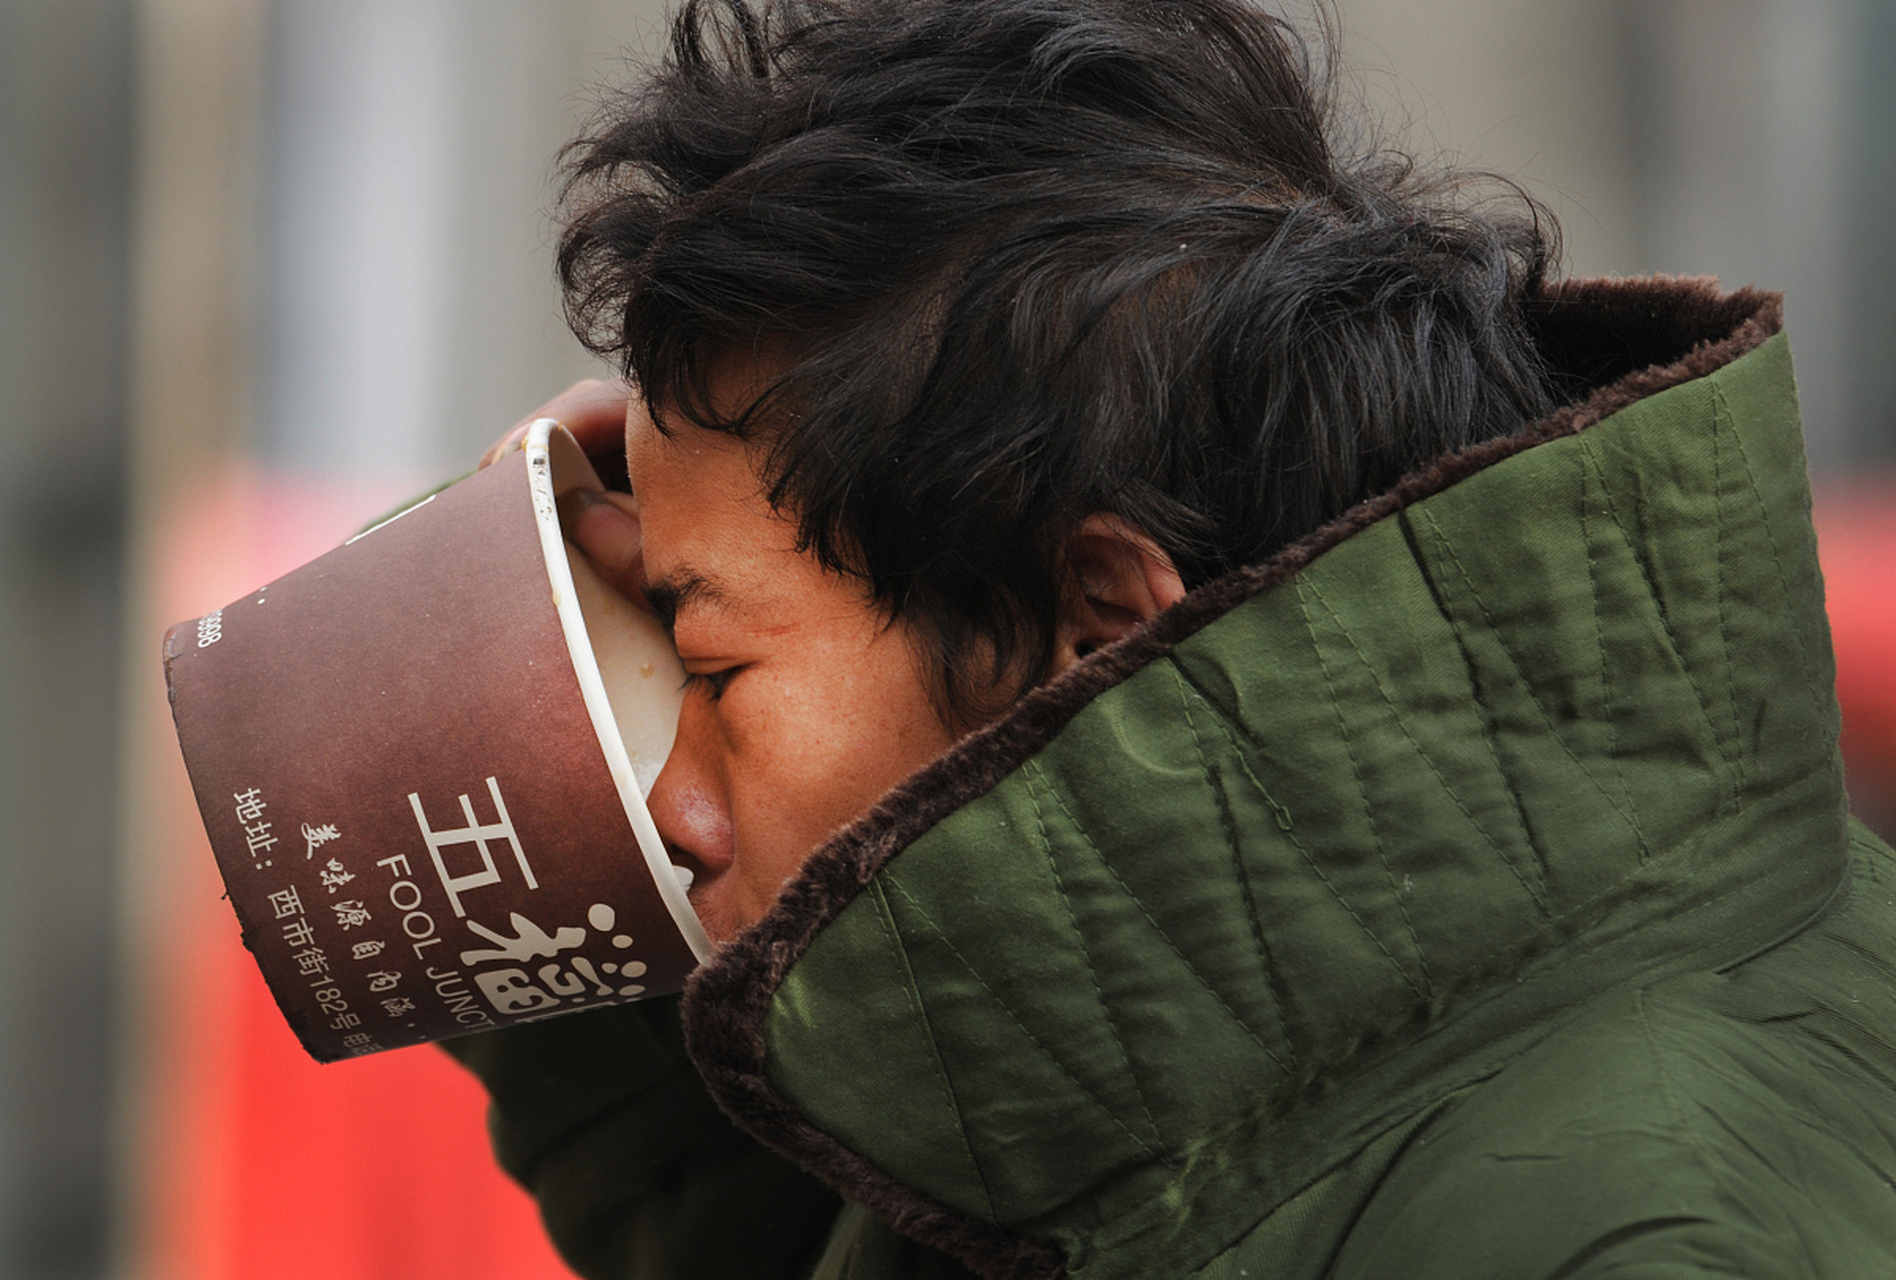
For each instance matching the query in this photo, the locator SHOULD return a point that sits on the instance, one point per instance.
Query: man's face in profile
(803, 703)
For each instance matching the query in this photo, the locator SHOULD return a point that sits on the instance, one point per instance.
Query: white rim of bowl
(592, 685)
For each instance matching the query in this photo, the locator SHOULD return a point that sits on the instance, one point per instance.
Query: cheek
(879, 723)
(815, 743)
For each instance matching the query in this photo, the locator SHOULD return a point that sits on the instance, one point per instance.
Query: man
(1233, 728)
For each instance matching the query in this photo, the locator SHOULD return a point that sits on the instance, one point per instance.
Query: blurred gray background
(310, 237)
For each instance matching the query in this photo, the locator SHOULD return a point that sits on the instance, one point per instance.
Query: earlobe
(1115, 579)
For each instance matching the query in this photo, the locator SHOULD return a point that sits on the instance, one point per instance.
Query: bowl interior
(628, 671)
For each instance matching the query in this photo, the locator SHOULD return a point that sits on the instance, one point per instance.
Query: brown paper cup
(422, 762)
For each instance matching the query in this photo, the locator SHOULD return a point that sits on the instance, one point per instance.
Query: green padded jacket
(1467, 891)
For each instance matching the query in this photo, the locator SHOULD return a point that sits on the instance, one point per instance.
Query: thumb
(604, 525)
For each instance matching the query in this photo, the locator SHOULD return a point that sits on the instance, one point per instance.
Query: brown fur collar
(1620, 340)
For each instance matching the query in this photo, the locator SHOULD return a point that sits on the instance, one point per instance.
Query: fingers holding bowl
(593, 410)
(604, 525)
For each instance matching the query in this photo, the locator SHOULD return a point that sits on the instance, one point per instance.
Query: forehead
(684, 456)
(687, 456)
(698, 491)
(714, 548)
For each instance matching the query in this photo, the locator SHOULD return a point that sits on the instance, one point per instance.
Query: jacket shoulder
(1729, 1123)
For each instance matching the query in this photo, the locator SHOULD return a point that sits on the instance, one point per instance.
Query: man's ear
(1115, 580)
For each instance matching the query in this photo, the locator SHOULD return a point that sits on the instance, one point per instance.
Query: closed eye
(712, 682)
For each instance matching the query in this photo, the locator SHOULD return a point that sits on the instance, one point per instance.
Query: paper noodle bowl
(422, 762)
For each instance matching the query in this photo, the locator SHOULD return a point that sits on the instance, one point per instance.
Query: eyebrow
(679, 590)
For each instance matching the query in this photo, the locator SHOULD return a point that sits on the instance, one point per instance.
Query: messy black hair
(1016, 262)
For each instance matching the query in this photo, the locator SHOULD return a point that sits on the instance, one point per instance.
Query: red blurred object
(257, 1164)
(1856, 541)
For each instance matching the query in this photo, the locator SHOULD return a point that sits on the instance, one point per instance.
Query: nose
(690, 800)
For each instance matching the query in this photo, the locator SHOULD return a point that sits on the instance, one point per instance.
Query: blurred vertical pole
(407, 311)
(1871, 238)
(197, 75)
(65, 141)
(1743, 171)
(358, 209)
(191, 318)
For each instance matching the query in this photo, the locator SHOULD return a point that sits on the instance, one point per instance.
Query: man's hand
(594, 411)
(602, 524)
